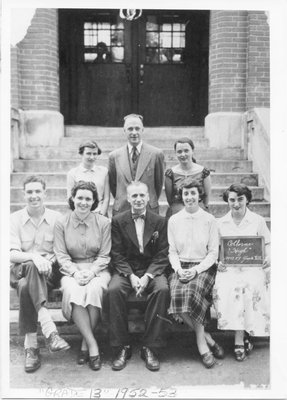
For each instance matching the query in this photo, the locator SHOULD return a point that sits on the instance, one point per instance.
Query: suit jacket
(125, 253)
(150, 170)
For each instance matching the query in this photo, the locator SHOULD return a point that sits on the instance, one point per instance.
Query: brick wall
(227, 61)
(14, 78)
(258, 61)
(38, 63)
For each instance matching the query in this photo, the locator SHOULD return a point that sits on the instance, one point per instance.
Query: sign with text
(242, 251)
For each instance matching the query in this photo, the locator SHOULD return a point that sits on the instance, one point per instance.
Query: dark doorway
(156, 65)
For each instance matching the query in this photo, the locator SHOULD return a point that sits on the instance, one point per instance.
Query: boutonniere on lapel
(154, 237)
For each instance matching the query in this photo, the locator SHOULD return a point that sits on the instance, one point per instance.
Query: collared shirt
(139, 225)
(81, 242)
(193, 238)
(98, 174)
(30, 238)
(252, 224)
(138, 147)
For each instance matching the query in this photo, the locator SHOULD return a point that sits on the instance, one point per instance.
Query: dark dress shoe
(121, 358)
(83, 357)
(208, 359)
(95, 362)
(56, 343)
(32, 359)
(151, 361)
(217, 351)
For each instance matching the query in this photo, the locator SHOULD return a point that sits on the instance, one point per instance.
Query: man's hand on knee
(43, 266)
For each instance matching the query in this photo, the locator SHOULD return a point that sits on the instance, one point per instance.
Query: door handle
(141, 73)
(128, 73)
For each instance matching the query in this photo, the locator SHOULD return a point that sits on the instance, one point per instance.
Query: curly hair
(240, 189)
(82, 185)
(189, 183)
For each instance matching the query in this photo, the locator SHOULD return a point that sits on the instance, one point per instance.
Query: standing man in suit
(135, 161)
(140, 262)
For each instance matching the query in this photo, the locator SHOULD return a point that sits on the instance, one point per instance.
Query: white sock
(46, 322)
(31, 340)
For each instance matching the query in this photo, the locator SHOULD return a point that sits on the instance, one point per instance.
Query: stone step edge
(161, 203)
(65, 188)
(65, 173)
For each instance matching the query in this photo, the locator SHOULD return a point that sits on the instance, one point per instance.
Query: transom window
(165, 41)
(104, 42)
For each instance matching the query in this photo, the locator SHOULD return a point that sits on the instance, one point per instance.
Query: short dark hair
(188, 141)
(240, 189)
(189, 183)
(91, 144)
(34, 178)
(184, 140)
(82, 185)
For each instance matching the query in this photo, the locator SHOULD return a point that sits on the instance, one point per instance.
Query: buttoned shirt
(98, 174)
(139, 225)
(28, 237)
(252, 224)
(138, 147)
(193, 238)
(82, 242)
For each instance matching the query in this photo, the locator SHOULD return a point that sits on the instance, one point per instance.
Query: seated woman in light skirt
(82, 247)
(240, 294)
(193, 251)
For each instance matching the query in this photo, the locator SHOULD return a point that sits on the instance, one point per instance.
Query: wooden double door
(156, 66)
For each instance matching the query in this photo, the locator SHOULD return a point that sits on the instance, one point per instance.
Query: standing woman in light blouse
(88, 171)
(240, 294)
(193, 251)
(82, 247)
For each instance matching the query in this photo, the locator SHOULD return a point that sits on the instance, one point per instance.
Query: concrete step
(160, 132)
(110, 142)
(216, 208)
(50, 165)
(60, 193)
(70, 151)
(58, 179)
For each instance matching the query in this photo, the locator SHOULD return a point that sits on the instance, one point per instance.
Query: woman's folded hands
(84, 276)
(186, 275)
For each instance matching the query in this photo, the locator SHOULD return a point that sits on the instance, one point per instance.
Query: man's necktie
(134, 155)
(136, 216)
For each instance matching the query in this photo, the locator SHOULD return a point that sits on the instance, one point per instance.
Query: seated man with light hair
(140, 263)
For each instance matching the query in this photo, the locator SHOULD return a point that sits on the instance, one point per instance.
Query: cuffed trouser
(32, 289)
(158, 299)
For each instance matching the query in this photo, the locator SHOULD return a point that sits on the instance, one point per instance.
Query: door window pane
(165, 40)
(103, 42)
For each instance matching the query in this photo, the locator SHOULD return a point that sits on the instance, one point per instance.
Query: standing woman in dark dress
(187, 168)
(193, 251)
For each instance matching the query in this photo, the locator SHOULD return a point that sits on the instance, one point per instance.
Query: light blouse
(252, 224)
(81, 242)
(193, 238)
(98, 175)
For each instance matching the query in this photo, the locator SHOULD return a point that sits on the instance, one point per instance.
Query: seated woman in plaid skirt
(193, 251)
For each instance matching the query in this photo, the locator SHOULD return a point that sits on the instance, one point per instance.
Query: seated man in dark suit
(140, 261)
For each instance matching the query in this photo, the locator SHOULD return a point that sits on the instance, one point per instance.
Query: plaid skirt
(193, 297)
